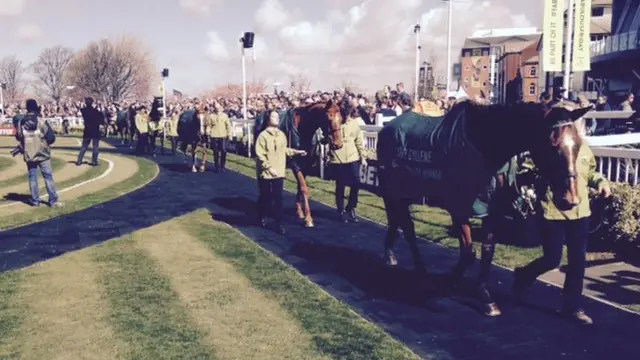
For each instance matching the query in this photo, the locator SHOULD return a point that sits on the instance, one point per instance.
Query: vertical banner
(582, 36)
(552, 35)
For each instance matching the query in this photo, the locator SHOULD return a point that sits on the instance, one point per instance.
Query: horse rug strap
(431, 156)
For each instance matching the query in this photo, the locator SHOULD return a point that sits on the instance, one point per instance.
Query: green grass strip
(91, 173)
(56, 164)
(11, 316)
(6, 163)
(147, 171)
(144, 308)
(336, 330)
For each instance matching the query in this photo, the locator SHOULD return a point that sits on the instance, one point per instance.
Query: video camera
(16, 151)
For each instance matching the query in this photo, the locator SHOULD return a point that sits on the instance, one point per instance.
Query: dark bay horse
(300, 127)
(190, 133)
(452, 159)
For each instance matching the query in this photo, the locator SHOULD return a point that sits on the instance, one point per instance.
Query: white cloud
(11, 7)
(371, 43)
(29, 32)
(200, 7)
(216, 49)
(271, 15)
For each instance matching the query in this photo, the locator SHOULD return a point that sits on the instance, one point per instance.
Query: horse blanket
(306, 142)
(427, 156)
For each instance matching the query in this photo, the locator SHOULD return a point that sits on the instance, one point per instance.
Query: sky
(368, 43)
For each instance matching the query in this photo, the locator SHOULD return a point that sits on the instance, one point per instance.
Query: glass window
(533, 72)
(532, 89)
(597, 11)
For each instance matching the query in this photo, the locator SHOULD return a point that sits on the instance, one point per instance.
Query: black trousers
(219, 148)
(270, 198)
(143, 142)
(555, 233)
(347, 175)
(95, 151)
(153, 135)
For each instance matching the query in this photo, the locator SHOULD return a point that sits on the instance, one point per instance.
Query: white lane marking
(102, 176)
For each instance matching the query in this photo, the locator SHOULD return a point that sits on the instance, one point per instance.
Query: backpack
(34, 145)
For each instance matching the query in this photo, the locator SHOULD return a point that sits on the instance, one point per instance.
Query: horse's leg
(194, 157)
(489, 306)
(308, 220)
(467, 253)
(392, 232)
(299, 197)
(409, 233)
(203, 164)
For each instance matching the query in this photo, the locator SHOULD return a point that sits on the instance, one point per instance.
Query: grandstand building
(615, 59)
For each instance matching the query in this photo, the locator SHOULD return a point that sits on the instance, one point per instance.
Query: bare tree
(257, 87)
(113, 70)
(351, 86)
(299, 83)
(12, 75)
(50, 71)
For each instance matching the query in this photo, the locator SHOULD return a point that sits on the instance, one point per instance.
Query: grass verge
(6, 162)
(10, 320)
(56, 164)
(144, 308)
(147, 171)
(336, 330)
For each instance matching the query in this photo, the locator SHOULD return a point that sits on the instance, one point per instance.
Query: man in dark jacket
(36, 136)
(91, 134)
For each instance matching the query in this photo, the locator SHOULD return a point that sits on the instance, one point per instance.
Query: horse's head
(556, 143)
(333, 123)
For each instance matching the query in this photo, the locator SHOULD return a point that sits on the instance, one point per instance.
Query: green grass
(6, 162)
(56, 164)
(144, 308)
(336, 330)
(147, 171)
(10, 320)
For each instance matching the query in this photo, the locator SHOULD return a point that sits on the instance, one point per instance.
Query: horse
(300, 125)
(123, 125)
(453, 159)
(190, 132)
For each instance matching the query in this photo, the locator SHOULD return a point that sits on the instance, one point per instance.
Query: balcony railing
(616, 43)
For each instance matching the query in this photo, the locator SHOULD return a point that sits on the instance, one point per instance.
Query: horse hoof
(308, 224)
(391, 261)
(202, 169)
(194, 170)
(492, 309)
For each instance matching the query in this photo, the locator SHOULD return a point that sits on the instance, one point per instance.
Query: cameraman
(36, 136)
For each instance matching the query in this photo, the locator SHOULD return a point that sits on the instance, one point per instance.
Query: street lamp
(416, 30)
(3, 86)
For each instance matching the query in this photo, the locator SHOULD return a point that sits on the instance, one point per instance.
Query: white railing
(615, 43)
(618, 164)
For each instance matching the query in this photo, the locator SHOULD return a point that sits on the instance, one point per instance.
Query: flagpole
(568, 47)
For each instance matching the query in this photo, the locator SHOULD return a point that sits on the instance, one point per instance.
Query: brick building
(518, 72)
(479, 68)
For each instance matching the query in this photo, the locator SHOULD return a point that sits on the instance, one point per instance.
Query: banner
(582, 36)
(552, 35)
